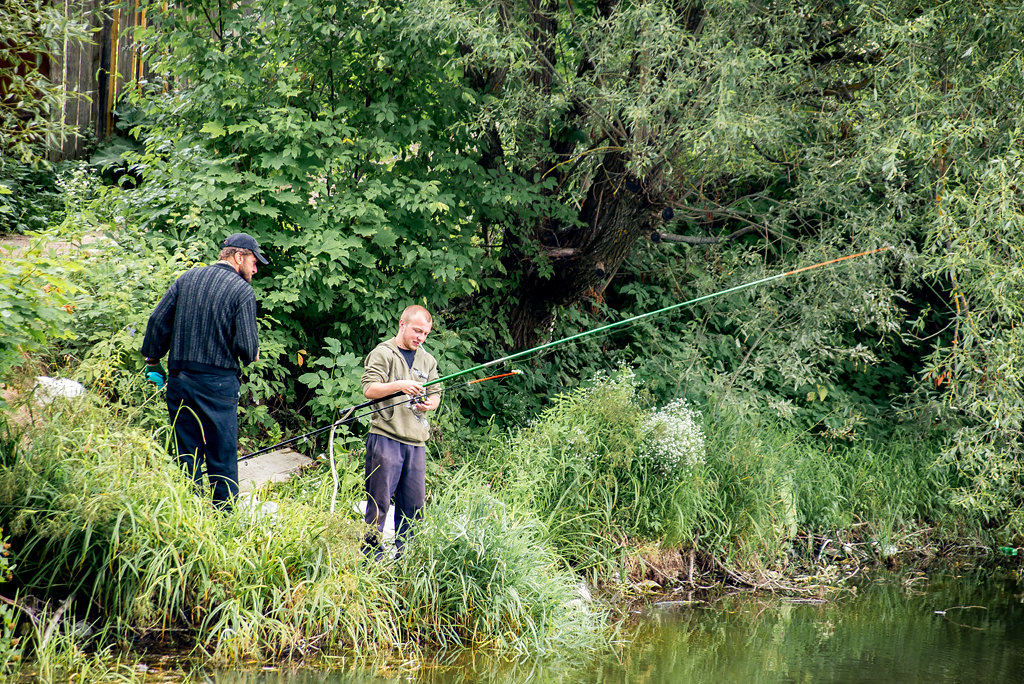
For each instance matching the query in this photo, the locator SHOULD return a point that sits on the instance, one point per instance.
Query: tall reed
(479, 573)
(768, 482)
(604, 475)
(602, 471)
(97, 510)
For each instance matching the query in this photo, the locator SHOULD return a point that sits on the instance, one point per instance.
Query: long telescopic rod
(634, 319)
(565, 340)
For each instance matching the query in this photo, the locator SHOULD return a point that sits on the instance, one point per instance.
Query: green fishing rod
(534, 350)
(634, 319)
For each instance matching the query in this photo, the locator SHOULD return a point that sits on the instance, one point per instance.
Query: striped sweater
(206, 320)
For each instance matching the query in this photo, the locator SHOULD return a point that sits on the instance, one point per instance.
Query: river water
(905, 629)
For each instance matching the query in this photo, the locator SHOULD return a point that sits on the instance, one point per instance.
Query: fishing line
(350, 418)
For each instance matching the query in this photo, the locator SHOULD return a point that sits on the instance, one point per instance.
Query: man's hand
(156, 374)
(379, 390)
(409, 387)
(428, 401)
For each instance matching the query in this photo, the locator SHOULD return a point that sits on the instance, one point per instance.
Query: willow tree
(799, 130)
(954, 144)
(519, 150)
(686, 122)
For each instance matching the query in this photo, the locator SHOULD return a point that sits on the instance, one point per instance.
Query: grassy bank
(728, 496)
(103, 526)
(104, 529)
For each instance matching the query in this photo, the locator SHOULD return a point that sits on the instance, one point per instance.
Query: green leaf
(214, 128)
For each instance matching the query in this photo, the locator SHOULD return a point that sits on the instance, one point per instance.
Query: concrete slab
(276, 466)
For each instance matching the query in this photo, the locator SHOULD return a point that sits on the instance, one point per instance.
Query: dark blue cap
(244, 241)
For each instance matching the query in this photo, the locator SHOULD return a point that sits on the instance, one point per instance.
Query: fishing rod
(350, 418)
(571, 338)
(634, 319)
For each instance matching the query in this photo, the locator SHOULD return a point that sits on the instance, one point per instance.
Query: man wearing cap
(207, 323)
(396, 445)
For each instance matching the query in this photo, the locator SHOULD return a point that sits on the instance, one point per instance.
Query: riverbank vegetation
(106, 527)
(527, 171)
(592, 498)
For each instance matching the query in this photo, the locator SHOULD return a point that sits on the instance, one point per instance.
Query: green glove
(156, 374)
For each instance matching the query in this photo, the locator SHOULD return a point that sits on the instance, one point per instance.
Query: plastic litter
(389, 521)
(47, 389)
(248, 503)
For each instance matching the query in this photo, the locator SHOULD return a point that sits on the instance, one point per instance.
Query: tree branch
(781, 162)
(660, 236)
(844, 90)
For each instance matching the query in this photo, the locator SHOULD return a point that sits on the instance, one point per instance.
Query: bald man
(396, 445)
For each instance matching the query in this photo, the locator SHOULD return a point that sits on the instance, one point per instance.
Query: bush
(599, 469)
(96, 509)
(477, 573)
(120, 281)
(30, 197)
(35, 300)
(603, 473)
(674, 443)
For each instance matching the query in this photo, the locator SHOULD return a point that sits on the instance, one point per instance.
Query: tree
(334, 137)
(629, 114)
(578, 128)
(799, 130)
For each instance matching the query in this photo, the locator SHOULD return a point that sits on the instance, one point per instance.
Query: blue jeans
(203, 408)
(398, 470)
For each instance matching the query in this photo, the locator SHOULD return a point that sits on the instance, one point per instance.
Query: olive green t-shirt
(399, 421)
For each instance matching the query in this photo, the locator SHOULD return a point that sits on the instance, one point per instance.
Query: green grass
(478, 573)
(586, 467)
(766, 482)
(97, 511)
(750, 489)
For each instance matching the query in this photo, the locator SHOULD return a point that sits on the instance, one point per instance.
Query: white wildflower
(674, 440)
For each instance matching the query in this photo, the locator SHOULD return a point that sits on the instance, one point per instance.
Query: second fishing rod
(350, 415)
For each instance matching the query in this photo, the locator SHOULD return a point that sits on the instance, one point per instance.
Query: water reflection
(950, 630)
(946, 629)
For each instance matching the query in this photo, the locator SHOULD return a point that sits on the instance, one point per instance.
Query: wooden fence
(99, 71)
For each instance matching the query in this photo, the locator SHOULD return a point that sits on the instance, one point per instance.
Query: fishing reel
(418, 406)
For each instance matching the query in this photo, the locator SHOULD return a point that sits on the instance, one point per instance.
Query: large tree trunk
(582, 259)
(614, 211)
